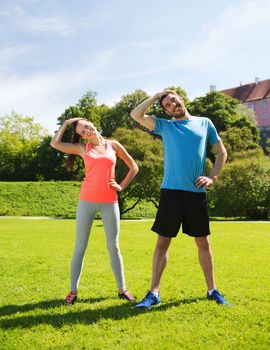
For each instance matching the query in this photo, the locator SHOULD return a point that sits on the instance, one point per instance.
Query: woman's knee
(113, 247)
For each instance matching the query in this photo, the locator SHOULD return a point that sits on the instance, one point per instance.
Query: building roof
(250, 92)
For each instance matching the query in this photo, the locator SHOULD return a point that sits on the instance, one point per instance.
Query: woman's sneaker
(126, 295)
(71, 298)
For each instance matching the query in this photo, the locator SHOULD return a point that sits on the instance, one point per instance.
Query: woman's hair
(75, 139)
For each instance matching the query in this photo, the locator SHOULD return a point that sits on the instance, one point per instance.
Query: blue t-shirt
(184, 143)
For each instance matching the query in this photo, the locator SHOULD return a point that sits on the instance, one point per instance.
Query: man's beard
(179, 114)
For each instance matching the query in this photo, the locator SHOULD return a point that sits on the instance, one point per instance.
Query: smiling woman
(98, 193)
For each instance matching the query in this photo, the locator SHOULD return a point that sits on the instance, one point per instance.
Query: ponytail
(75, 139)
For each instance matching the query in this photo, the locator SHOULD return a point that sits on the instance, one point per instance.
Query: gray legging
(111, 220)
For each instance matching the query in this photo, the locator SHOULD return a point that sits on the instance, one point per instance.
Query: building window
(251, 105)
(264, 115)
(263, 102)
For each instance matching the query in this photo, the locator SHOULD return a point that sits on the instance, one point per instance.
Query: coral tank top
(99, 170)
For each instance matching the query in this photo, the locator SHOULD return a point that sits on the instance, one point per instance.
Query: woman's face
(86, 129)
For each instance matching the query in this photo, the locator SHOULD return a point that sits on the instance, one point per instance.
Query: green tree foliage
(50, 164)
(85, 108)
(238, 140)
(226, 113)
(119, 115)
(243, 188)
(147, 153)
(19, 140)
(223, 110)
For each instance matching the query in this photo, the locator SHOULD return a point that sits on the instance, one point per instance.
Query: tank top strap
(88, 147)
(109, 145)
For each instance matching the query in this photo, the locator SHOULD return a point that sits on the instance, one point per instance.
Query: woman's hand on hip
(115, 185)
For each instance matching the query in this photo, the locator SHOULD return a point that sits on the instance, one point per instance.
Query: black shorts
(178, 207)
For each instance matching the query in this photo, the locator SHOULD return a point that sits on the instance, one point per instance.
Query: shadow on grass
(58, 320)
(46, 304)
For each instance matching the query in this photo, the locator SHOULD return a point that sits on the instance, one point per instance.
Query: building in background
(255, 96)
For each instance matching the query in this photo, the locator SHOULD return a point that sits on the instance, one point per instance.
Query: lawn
(35, 278)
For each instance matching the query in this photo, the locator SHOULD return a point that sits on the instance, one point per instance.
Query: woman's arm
(67, 147)
(129, 161)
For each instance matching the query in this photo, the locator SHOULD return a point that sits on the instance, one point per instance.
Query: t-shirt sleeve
(161, 125)
(213, 136)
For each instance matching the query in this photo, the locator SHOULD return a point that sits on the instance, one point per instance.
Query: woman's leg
(84, 218)
(111, 221)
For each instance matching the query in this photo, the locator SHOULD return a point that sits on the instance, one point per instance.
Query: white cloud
(17, 17)
(55, 25)
(10, 54)
(229, 36)
(46, 95)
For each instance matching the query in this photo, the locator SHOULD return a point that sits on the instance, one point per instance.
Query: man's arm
(207, 181)
(139, 112)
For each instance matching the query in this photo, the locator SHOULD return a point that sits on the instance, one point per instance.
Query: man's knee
(202, 243)
(163, 243)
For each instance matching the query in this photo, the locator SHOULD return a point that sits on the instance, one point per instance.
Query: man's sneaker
(149, 300)
(71, 298)
(126, 295)
(216, 296)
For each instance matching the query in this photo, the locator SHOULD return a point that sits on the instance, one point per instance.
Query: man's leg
(160, 260)
(206, 260)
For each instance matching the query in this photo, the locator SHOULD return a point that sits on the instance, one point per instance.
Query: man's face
(174, 105)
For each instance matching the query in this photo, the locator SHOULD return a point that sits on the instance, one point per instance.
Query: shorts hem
(164, 234)
(197, 235)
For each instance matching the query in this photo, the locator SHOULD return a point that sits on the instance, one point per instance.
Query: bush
(243, 189)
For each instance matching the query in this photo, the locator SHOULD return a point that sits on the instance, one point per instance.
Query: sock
(211, 291)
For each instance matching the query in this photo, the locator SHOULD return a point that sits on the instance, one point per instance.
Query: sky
(53, 51)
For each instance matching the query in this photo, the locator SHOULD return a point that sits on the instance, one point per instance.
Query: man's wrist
(214, 178)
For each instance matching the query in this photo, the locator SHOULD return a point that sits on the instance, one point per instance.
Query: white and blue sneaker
(149, 300)
(217, 297)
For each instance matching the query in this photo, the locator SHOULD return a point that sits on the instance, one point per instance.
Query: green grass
(35, 278)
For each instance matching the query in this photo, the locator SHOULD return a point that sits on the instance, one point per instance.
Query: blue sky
(52, 52)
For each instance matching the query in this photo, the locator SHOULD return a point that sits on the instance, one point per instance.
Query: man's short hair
(162, 97)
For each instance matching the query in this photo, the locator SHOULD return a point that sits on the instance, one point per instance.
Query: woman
(98, 193)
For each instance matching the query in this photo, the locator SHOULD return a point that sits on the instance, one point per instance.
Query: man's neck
(184, 117)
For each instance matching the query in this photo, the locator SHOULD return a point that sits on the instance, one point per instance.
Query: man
(183, 189)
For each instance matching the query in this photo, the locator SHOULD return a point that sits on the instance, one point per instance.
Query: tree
(147, 153)
(238, 140)
(85, 108)
(243, 188)
(20, 138)
(223, 110)
(119, 115)
(50, 164)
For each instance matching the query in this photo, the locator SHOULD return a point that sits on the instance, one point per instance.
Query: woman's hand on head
(115, 185)
(71, 120)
